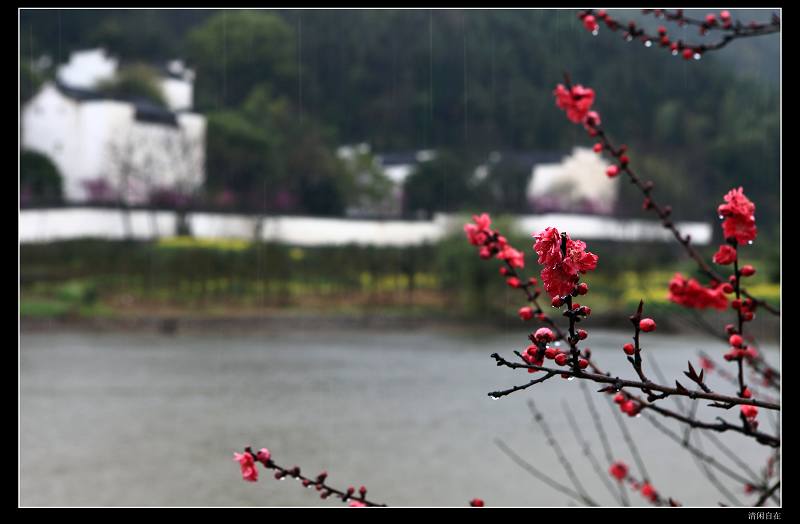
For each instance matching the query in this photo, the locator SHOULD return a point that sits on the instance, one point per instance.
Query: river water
(144, 419)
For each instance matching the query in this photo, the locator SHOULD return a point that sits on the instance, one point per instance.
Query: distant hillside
(476, 80)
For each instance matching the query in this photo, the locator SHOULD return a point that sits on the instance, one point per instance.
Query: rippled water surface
(145, 419)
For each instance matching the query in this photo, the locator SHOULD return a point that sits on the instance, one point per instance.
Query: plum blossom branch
(587, 452)
(249, 459)
(731, 30)
(531, 469)
(619, 470)
(598, 424)
(562, 458)
(576, 100)
(763, 498)
(619, 383)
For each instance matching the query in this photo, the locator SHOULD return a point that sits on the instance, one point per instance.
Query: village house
(117, 148)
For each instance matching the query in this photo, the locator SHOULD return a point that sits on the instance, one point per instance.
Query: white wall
(101, 139)
(64, 224)
(60, 224)
(178, 93)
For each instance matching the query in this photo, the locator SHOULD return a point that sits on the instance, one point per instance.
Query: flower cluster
(627, 405)
(492, 244)
(564, 260)
(690, 293)
(738, 214)
(577, 102)
(739, 348)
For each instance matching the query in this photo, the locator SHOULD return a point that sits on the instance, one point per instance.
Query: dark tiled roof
(144, 110)
(528, 159)
(525, 159)
(398, 158)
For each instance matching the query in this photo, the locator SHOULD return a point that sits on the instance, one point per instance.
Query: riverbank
(767, 329)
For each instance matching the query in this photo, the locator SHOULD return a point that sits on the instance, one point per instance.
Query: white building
(132, 147)
(578, 183)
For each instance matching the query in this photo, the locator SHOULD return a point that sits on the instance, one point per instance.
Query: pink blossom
(725, 255)
(512, 256)
(356, 504)
(548, 246)
(576, 101)
(562, 270)
(248, 465)
(558, 281)
(739, 214)
(690, 293)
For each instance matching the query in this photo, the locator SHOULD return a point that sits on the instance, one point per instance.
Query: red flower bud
(544, 335)
(619, 398)
(513, 282)
(557, 302)
(561, 359)
(590, 23)
(612, 171)
(583, 363)
(598, 147)
(525, 313)
(647, 325)
(688, 53)
(504, 270)
(629, 349)
(583, 288)
(746, 393)
(476, 503)
(618, 470)
(582, 334)
(747, 271)
(749, 412)
(550, 353)
(736, 340)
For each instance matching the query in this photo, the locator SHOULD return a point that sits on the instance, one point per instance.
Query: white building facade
(116, 149)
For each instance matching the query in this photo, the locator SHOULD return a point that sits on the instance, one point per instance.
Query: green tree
(235, 51)
(39, 178)
(135, 81)
(442, 184)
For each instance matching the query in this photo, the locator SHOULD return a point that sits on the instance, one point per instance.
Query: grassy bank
(189, 277)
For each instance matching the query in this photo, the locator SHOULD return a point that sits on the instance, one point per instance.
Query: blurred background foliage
(283, 88)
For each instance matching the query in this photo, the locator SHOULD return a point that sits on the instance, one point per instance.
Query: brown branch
(619, 383)
(319, 483)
